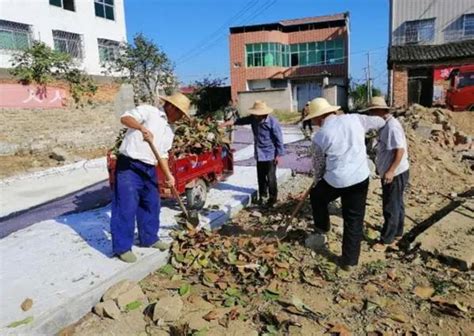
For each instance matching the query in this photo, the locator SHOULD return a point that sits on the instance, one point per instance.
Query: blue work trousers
(135, 196)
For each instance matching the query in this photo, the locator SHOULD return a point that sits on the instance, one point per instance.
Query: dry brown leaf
(340, 330)
(392, 274)
(424, 292)
(213, 315)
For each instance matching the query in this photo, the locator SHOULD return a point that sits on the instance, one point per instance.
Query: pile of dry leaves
(192, 136)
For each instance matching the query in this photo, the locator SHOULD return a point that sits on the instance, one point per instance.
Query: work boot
(271, 203)
(128, 257)
(161, 245)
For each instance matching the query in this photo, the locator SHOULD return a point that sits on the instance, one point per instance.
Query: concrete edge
(84, 164)
(70, 312)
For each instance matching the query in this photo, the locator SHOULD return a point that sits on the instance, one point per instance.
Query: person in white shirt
(341, 170)
(136, 194)
(393, 168)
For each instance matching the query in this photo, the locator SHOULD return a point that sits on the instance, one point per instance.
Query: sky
(194, 33)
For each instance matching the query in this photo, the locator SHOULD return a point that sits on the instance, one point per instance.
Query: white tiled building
(89, 30)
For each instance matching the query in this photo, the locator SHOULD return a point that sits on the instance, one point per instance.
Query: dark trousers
(307, 124)
(353, 200)
(267, 183)
(393, 208)
(135, 196)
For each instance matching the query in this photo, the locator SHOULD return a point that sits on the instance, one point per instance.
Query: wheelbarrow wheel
(196, 196)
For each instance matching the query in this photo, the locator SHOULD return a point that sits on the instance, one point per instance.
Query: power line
(205, 40)
(211, 43)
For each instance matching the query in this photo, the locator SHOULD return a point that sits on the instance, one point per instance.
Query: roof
(431, 53)
(313, 19)
(338, 19)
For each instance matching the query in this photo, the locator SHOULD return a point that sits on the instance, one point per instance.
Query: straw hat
(180, 101)
(260, 108)
(319, 107)
(378, 103)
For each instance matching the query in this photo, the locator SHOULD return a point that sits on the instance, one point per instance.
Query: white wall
(448, 14)
(44, 18)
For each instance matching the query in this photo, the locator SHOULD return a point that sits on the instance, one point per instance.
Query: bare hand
(170, 181)
(277, 160)
(147, 135)
(388, 177)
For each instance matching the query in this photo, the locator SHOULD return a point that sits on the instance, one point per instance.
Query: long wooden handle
(164, 169)
(301, 202)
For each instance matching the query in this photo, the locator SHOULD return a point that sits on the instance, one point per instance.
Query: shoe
(128, 257)
(161, 245)
(379, 247)
(271, 203)
(347, 268)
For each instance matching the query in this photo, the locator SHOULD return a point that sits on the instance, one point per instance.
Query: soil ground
(399, 292)
(83, 133)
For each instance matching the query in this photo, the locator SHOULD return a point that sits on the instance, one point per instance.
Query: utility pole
(369, 80)
(367, 97)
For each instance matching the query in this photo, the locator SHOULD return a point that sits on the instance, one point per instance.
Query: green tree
(210, 95)
(358, 93)
(146, 67)
(41, 65)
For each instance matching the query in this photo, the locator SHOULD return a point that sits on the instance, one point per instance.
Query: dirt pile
(437, 150)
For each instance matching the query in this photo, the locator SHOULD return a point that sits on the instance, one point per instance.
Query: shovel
(283, 230)
(192, 220)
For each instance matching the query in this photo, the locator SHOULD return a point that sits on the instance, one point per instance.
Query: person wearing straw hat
(392, 165)
(268, 144)
(135, 194)
(341, 170)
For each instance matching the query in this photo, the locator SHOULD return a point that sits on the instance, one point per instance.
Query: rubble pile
(437, 125)
(191, 136)
(437, 151)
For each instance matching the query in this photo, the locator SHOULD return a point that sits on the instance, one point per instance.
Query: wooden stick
(166, 169)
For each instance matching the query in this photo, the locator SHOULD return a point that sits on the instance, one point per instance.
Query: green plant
(41, 65)
(146, 67)
(80, 86)
(209, 96)
(375, 267)
(358, 93)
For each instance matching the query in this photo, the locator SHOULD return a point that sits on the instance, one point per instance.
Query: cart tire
(196, 196)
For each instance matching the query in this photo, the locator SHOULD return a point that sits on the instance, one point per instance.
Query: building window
(66, 4)
(420, 31)
(69, 43)
(300, 54)
(105, 9)
(108, 50)
(469, 25)
(14, 36)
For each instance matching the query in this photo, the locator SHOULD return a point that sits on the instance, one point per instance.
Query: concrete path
(243, 134)
(27, 191)
(64, 265)
(452, 238)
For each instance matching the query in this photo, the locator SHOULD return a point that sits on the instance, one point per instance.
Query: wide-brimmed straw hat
(319, 107)
(180, 101)
(376, 103)
(260, 108)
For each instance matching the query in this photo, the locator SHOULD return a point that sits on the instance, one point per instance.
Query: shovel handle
(300, 203)
(165, 169)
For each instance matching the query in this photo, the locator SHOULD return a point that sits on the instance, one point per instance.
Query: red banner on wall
(30, 96)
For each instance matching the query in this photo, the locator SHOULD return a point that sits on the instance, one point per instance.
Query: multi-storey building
(290, 62)
(427, 39)
(89, 30)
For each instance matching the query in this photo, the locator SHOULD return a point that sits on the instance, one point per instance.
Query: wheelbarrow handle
(164, 168)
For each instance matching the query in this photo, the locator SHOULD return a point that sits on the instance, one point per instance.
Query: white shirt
(342, 141)
(156, 121)
(391, 137)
